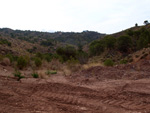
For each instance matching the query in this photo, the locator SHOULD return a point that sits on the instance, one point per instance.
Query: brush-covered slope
(122, 45)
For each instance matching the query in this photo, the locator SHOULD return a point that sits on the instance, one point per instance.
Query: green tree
(67, 52)
(96, 47)
(110, 42)
(38, 62)
(124, 43)
(144, 39)
(146, 22)
(136, 25)
(21, 62)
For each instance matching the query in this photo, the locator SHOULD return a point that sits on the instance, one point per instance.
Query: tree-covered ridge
(124, 42)
(49, 39)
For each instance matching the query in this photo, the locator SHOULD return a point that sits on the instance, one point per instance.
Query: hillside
(121, 46)
(26, 42)
(63, 37)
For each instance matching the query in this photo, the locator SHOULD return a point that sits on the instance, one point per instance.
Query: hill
(63, 37)
(120, 46)
(26, 42)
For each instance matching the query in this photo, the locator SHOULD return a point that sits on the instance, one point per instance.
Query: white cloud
(73, 15)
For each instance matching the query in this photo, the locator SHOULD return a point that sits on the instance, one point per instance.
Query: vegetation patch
(21, 62)
(35, 75)
(4, 41)
(108, 62)
(18, 75)
(123, 61)
(49, 72)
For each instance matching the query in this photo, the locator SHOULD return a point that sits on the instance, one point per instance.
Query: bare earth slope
(60, 94)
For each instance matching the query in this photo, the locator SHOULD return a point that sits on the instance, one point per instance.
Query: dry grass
(55, 65)
(6, 62)
(42, 74)
(66, 71)
(89, 65)
(139, 54)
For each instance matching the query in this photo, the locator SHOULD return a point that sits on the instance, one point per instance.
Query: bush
(108, 62)
(123, 61)
(35, 75)
(48, 72)
(51, 72)
(73, 65)
(48, 57)
(11, 57)
(21, 62)
(39, 55)
(37, 62)
(1, 57)
(55, 64)
(82, 57)
(66, 52)
(4, 41)
(18, 74)
(47, 43)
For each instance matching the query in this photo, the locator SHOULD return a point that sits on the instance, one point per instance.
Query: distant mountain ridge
(72, 38)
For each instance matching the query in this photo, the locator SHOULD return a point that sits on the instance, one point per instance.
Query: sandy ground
(97, 92)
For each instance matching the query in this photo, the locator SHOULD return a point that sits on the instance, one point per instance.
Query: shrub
(18, 74)
(55, 64)
(37, 62)
(66, 52)
(108, 62)
(39, 55)
(35, 75)
(21, 62)
(123, 61)
(47, 43)
(4, 41)
(48, 57)
(73, 65)
(51, 72)
(10, 56)
(48, 72)
(82, 57)
(1, 57)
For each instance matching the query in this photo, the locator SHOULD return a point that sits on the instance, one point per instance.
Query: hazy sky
(105, 16)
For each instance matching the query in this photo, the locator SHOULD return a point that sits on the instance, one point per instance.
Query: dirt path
(37, 96)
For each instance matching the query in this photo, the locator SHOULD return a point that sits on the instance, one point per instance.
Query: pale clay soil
(119, 89)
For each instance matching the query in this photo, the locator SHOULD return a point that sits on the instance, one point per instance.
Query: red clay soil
(120, 89)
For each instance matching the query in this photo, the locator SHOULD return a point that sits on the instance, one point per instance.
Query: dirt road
(46, 96)
(119, 89)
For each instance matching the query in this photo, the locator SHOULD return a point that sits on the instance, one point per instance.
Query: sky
(104, 16)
